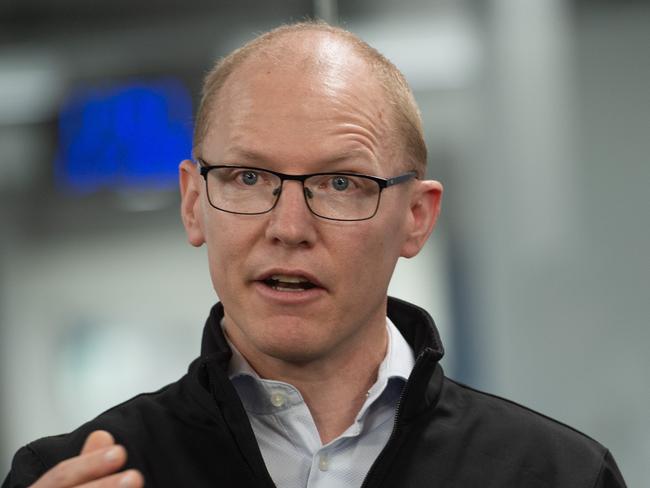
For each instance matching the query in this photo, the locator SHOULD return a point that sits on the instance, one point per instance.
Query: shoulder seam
(35, 453)
(38, 457)
(602, 468)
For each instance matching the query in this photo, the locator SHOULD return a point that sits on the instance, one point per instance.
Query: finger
(127, 479)
(84, 468)
(97, 440)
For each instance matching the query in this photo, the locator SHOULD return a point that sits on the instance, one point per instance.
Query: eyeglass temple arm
(401, 178)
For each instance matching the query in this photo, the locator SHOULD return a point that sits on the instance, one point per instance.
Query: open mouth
(288, 283)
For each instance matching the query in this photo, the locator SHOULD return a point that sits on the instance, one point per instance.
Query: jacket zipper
(393, 434)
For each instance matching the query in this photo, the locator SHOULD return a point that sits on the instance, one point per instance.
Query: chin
(292, 349)
(288, 338)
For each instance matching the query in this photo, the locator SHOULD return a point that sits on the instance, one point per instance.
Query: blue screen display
(124, 136)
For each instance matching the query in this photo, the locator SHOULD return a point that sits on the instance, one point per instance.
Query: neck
(335, 387)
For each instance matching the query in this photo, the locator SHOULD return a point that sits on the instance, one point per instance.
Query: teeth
(288, 283)
(289, 279)
(284, 288)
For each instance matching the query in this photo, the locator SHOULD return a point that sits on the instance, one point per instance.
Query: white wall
(90, 320)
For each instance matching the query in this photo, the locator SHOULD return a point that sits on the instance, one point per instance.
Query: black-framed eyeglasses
(343, 196)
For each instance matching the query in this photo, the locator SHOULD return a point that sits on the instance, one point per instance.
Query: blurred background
(536, 115)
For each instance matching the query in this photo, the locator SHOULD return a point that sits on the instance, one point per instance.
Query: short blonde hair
(407, 119)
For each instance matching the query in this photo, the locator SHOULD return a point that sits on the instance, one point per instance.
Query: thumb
(98, 439)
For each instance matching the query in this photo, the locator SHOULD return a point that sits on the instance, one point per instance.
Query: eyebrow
(246, 155)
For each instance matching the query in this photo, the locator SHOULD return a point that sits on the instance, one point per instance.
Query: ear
(190, 184)
(422, 216)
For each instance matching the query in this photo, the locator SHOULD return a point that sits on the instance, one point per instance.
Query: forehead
(303, 91)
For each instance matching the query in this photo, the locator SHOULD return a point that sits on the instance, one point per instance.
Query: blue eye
(340, 183)
(249, 178)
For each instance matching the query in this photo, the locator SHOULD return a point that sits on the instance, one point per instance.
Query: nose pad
(308, 193)
(290, 224)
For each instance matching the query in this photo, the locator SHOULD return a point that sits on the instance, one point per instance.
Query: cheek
(381, 248)
(228, 235)
(367, 259)
(227, 246)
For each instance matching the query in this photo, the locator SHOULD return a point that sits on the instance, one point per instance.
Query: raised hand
(95, 467)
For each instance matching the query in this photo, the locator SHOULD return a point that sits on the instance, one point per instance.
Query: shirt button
(278, 399)
(324, 462)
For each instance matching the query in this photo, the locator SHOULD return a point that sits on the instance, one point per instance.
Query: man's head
(307, 100)
(406, 124)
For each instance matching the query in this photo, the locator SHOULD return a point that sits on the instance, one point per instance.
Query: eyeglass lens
(332, 196)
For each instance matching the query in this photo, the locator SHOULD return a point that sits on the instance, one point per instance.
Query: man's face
(330, 116)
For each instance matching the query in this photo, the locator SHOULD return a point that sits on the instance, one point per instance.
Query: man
(307, 187)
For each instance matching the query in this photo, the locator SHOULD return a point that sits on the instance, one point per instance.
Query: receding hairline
(273, 46)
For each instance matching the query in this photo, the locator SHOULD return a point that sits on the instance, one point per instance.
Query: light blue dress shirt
(287, 435)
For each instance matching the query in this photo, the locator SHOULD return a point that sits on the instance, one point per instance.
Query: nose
(291, 223)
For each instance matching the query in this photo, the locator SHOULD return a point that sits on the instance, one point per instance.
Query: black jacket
(195, 432)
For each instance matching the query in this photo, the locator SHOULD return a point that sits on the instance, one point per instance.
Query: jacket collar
(415, 324)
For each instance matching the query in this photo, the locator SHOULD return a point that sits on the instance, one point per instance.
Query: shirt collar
(255, 391)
